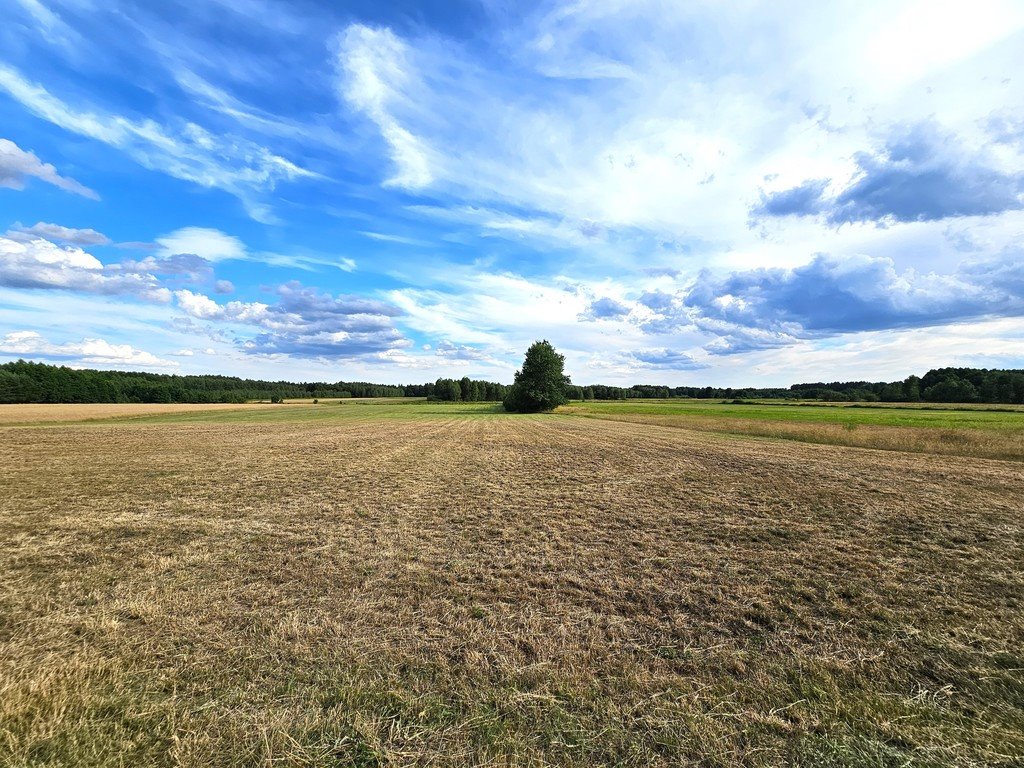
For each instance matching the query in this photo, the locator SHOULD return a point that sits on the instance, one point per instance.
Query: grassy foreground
(365, 583)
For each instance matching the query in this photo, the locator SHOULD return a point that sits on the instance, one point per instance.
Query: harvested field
(43, 413)
(414, 584)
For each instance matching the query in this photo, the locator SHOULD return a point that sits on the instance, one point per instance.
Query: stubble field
(415, 584)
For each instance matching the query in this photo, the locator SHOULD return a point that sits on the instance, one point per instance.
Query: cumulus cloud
(460, 352)
(206, 243)
(661, 272)
(41, 264)
(87, 351)
(920, 174)
(762, 308)
(17, 165)
(646, 359)
(665, 359)
(304, 322)
(802, 200)
(184, 265)
(605, 308)
(657, 301)
(58, 234)
(203, 307)
(732, 339)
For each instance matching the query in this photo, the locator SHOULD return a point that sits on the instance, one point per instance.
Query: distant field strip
(48, 413)
(416, 584)
(956, 432)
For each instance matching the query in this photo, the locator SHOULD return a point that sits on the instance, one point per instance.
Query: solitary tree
(541, 384)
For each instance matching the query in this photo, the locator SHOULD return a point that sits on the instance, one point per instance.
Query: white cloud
(376, 76)
(17, 164)
(304, 322)
(186, 151)
(87, 351)
(676, 146)
(400, 239)
(38, 263)
(500, 315)
(214, 245)
(199, 306)
(604, 140)
(929, 35)
(888, 355)
(209, 244)
(58, 233)
(49, 23)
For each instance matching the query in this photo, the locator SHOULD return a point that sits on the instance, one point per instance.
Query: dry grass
(44, 413)
(979, 443)
(501, 591)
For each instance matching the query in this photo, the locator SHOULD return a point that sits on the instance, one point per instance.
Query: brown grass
(502, 591)
(977, 443)
(45, 412)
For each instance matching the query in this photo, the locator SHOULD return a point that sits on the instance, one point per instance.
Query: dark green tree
(912, 389)
(541, 384)
(952, 390)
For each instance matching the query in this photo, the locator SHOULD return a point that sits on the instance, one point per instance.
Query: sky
(703, 193)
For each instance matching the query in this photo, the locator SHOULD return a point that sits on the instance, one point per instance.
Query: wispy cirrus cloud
(186, 150)
(18, 165)
(213, 245)
(378, 79)
(58, 233)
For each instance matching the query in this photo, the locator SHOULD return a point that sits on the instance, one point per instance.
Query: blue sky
(707, 192)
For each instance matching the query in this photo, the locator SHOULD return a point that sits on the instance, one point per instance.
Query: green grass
(936, 417)
(895, 415)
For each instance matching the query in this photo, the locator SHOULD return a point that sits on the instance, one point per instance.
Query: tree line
(464, 390)
(939, 385)
(28, 382)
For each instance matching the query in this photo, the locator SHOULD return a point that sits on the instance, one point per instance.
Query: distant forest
(27, 382)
